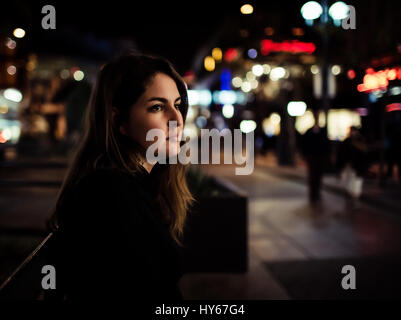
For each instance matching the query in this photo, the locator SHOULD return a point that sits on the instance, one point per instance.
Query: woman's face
(159, 104)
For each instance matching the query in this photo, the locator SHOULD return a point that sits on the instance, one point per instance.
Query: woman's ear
(116, 121)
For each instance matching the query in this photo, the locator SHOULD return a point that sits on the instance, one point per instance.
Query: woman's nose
(175, 115)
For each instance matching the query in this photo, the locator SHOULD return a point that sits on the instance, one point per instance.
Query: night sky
(178, 30)
(175, 30)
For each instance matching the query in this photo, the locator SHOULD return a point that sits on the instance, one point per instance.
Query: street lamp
(19, 33)
(246, 9)
(339, 10)
(313, 10)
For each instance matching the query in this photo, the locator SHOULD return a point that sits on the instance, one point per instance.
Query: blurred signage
(225, 80)
(339, 122)
(199, 98)
(231, 54)
(291, 46)
(375, 80)
(393, 107)
(229, 97)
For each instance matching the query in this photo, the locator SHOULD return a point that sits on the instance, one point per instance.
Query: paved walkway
(387, 196)
(288, 239)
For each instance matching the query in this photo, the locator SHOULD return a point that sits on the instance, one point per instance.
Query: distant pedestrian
(394, 146)
(353, 161)
(315, 149)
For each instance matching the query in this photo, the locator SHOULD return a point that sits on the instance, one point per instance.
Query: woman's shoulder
(99, 194)
(103, 174)
(111, 179)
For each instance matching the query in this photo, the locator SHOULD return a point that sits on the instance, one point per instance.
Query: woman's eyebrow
(163, 99)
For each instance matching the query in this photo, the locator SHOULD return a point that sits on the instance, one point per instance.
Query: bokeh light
(19, 33)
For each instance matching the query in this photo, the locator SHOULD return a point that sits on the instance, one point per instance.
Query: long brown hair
(119, 84)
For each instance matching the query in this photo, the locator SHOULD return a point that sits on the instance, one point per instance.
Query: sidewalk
(35, 162)
(304, 248)
(387, 197)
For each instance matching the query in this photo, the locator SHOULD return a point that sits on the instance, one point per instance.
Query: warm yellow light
(250, 76)
(246, 9)
(3, 108)
(314, 69)
(11, 70)
(304, 122)
(217, 54)
(339, 122)
(266, 68)
(209, 63)
(275, 118)
(11, 44)
(19, 33)
(246, 86)
(269, 31)
(64, 74)
(299, 32)
(78, 75)
(336, 69)
(237, 82)
(254, 83)
(30, 66)
(271, 125)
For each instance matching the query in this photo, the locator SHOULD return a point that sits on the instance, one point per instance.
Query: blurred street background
(318, 83)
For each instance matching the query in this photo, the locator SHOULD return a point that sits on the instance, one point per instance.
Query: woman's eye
(156, 107)
(178, 106)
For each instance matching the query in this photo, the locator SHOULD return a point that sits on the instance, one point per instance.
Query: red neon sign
(231, 54)
(393, 107)
(292, 46)
(2, 139)
(379, 79)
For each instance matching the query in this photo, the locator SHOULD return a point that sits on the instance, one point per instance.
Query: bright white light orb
(236, 81)
(257, 70)
(12, 95)
(277, 73)
(228, 111)
(296, 108)
(339, 10)
(311, 10)
(247, 126)
(336, 69)
(246, 86)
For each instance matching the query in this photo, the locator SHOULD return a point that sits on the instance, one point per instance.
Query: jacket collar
(149, 180)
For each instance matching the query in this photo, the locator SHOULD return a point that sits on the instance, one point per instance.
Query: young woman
(119, 218)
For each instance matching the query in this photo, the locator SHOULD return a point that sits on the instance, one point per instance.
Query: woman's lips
(173, 138)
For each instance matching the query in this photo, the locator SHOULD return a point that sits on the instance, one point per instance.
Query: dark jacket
(112, 242)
